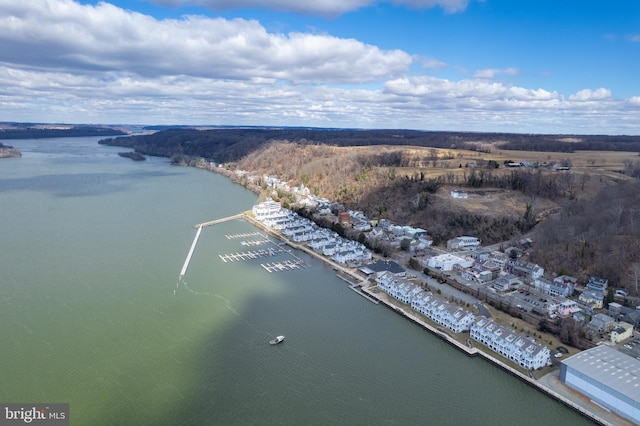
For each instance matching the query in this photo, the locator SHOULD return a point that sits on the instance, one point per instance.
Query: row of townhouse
(554, 288)
(455, 318)
(299, 229)
(440, 311)
(322, 239)
(522, 269)
(397, 287)
(517, 347)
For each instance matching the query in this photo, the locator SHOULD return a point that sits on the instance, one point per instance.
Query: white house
(621, 331)
(458, 193)
(463, 243)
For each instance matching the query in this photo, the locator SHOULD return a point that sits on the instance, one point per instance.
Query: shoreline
(469, 351)
(474, 352)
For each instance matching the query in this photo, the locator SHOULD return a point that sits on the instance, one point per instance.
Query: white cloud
(634, 38)
(491, 73)
(64, 35)
(450, 6)
(63, 61)
(479, 92)
(329, 8)
(586, 95)
(415, 102)
(429, 63)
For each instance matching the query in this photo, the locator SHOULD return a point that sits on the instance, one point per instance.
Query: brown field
(602, 168)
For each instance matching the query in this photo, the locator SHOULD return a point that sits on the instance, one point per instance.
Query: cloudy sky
(529, 66)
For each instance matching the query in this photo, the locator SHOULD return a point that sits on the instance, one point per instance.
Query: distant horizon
(260, 126)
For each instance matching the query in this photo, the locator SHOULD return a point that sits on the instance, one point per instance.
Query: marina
(287, 265)
(244, 235)
(255, 242)
(252, 254)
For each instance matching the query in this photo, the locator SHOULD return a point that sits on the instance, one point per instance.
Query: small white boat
(277, 340)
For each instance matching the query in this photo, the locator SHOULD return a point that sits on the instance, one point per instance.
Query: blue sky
(494, 65)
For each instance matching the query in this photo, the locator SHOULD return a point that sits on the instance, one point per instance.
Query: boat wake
(189, 289)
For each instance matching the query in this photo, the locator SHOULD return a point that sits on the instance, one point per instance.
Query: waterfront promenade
(552, 387)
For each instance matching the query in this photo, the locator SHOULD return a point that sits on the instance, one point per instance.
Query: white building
(445, 262)
(607, 376)
(399, 288)
(458, 193)
(517, 347)
(621, 331)
(463, 243)
(455, 318)
(267, 209)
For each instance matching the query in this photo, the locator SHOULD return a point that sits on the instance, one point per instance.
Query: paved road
(447, 290)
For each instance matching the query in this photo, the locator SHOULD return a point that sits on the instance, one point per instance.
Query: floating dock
(255, 242)
(245, 235)
(286, 265)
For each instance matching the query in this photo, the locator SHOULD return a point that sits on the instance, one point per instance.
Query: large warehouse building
(607, 376)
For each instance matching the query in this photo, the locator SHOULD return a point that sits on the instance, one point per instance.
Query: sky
(523, 66)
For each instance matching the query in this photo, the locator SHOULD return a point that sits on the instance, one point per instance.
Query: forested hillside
(224, 145)
(583, 220)
(35, 131)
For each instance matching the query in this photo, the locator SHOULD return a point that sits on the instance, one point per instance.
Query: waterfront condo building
(455, 318)
(517, 347)
(439, 310)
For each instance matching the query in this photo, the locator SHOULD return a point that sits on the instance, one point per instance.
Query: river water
(91, 247)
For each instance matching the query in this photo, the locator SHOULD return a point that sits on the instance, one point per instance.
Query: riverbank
(558, 391)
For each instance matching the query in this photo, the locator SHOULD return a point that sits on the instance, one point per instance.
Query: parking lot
(527, 301)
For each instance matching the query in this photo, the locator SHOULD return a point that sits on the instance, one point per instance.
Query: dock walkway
(221, 220)
(191, 250)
